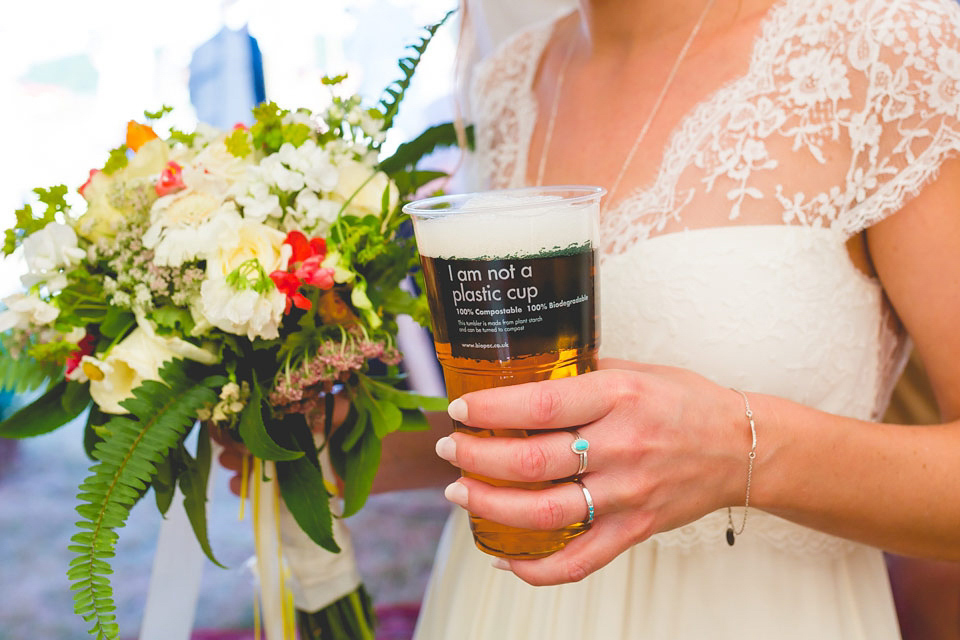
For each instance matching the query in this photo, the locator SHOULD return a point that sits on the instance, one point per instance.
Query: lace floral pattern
(865, 94)
(846, 111)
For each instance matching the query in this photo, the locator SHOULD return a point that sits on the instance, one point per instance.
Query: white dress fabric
(733, 263)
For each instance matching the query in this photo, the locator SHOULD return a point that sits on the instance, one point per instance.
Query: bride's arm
(895, 487)
(667, 446)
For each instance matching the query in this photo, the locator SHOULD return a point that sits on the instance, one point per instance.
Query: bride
(781, 220)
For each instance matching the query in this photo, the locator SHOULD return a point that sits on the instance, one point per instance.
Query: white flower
(313, 162)
(47, 251)
(241, 240)
(275, 174)
(25, 311)
(237, 295)
(175, 233)
(372, 126)
(242, 312)
(316, 214)
(258, 203)
(137, 358)
(365, 185)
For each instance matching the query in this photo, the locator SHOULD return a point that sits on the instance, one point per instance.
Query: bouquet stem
(349, 618)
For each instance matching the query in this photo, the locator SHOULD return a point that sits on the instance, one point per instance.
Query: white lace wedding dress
(733, 264)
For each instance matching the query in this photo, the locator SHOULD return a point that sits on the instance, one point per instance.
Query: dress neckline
(689, 127)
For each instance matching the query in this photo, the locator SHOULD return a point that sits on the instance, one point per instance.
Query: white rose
(25, 311)
(367, 194)
(242, 312)
(137, 358)
(241, 240)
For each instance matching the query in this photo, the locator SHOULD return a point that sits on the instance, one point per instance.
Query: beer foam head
(501, 224)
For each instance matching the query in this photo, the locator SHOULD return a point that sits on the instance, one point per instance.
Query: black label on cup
(505, 308)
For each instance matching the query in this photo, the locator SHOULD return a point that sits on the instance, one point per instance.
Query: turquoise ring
(580, 447)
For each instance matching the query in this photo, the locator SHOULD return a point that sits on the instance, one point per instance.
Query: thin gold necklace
(548, 135)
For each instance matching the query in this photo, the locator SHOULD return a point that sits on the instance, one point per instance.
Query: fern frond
(161, 414)
(24, 374)
(395, 91)
(410, 153)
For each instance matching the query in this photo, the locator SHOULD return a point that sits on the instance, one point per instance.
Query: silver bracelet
(731, 532)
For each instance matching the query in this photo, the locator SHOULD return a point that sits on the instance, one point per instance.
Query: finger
(536, 458)
(551, 404)
(547, 509)
(585, 554)
(231, 459)
(236, 485)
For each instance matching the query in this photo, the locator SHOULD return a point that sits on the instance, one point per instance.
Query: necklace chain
(548, 134)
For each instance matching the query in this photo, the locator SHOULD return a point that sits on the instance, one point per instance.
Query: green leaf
(410, 153)
(90, 436)
(253, 432)
(361, 468)
(45, 414)
(156, 115)
(303, 488)
(409, 181)
(164, 483)
(394, 93)
(414, 420)
(161, 412)
(193, 483)
(23, 374)
(238, 143)
(406, 399)
(385, 417)
(117, 160)
(76, 398)
(355, 425)
(117, 322)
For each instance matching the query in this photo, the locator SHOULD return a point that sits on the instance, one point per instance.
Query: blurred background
(71, 76)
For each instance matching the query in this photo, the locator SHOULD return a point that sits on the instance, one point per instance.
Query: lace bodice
(861, 96)
(733, 261)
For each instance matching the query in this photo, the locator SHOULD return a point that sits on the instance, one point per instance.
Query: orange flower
(138, 134)
(333, 310)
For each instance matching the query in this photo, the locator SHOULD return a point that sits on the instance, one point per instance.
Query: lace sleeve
(905, 66)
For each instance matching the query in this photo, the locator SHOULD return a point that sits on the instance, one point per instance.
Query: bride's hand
(667, 446)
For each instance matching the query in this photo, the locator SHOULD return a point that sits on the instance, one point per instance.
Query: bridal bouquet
(228, 282)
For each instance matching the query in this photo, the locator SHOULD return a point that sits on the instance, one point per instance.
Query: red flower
(301, 247)
(171, 179)
(306, 257)
(311, 273)
(289, 285)
(84, 348)
(86, 184)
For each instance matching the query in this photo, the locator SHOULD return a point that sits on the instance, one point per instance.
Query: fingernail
(447, 448)
(458, 410)
(500, 563)
(456, 493)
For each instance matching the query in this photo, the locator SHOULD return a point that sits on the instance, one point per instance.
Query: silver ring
(588, 498)
(580, 447)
